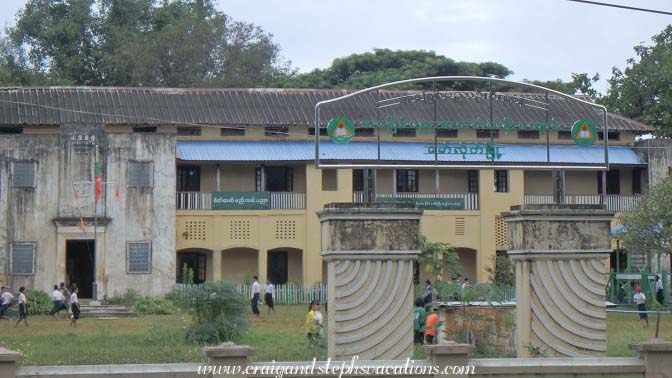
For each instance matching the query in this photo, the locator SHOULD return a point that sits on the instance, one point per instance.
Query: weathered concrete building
(175, 164)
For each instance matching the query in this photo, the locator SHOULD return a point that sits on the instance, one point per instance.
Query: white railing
(470, 199)
(203, 200)
(614, 202)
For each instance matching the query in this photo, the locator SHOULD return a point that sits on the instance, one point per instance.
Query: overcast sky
(537, 39)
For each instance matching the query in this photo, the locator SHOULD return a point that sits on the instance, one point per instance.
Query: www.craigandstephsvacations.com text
(335, 369)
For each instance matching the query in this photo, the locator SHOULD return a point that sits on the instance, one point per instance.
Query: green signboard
(584, 132)
(340, 130)
(428, 203)
(241, 201)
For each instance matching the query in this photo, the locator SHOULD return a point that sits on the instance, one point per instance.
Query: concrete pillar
(560, 278)
(262, 265)
(370, 250)
(228, 355)
(216, 265)
(8, 361)
(449, 354)
(656, 354)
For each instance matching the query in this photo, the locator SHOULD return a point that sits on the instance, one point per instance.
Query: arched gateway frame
(541, 111)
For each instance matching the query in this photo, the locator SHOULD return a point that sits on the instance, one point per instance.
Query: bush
(219, 311)
(127, 298)
(153, 306)
(39, 302)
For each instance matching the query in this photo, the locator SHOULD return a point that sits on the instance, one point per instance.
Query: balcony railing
(461, 201)
(614, 202)
(241, 201)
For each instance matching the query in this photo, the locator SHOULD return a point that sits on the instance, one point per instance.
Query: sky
(537, 39)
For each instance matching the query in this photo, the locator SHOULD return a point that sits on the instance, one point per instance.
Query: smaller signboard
(241, 201)
(428, 203)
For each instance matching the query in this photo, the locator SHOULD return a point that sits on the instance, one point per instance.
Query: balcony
(241, 201)
(614, 202)
(428, 201)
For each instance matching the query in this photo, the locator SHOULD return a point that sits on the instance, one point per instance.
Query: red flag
(81, 223)
(117, 193)
(99, 183)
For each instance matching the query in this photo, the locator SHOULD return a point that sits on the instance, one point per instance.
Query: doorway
(79, 266)
(193, 261)
(277, 267)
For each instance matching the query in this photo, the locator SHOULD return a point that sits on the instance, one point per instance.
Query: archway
(285, 265)
(468, 261)
(239, 264)
(196, 260)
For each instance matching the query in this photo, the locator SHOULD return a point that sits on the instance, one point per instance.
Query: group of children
(62, 298)
(424, 326)
(256, 296)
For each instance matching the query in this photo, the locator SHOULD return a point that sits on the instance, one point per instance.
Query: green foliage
(502, 272)
(128, 298)
(383, 65)
(187, 274)
(580, 84)
(39, 302)
(439, 259)
(648, 227)
(154, 306)
(177, 43)
(642, 90)
(217, 309)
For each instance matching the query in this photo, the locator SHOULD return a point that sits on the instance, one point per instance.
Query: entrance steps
(106, 311)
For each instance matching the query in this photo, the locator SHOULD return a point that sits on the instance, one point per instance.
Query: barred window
(528, 134)
(446, 133)
(405, 133)
(22, 258)
(139, 257)
(487, 134)
(188, 131)
(276, 131)
(564, 135)
(139, 174)
(24, 174)
(407, 180)
(232, 131)
(472, 181)
(501, 181)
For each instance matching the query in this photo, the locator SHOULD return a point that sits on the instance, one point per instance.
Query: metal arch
(461, 78)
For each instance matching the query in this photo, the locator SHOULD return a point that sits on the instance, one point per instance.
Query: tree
(648, 227)
(580, 84)
(179, 43)
(502, 272)
(440, 259)
(642, 91)
(383, 65)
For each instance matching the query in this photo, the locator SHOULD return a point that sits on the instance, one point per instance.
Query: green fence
(622, 285)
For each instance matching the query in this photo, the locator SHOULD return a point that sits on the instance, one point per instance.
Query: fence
(613, 202)
(284, 294)
(276, 200)
(470, 199)
(621, 287)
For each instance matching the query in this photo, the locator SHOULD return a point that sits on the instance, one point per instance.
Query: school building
(223, 181)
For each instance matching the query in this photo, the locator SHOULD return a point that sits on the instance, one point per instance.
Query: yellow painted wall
(538, 182)
(578, 182)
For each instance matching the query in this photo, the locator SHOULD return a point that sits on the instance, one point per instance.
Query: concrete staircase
(106, 311)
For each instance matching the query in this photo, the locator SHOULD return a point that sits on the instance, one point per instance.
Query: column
(8, 363)
(560, 278)
(216, 265)
(370, 250)
(262, 264)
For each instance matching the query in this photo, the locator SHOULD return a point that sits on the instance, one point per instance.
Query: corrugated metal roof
(261, 151)
(273, 107)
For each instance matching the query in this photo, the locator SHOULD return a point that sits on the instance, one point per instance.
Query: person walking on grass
(256, 296)
(268, 297)
(314, 322)
(6, 300)
(640, 300)
(659, 289)
(419, 316)
(74, 305)
(23, 307)
(57, 299)
(66, 300)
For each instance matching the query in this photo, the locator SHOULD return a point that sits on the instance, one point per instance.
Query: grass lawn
(160, 338)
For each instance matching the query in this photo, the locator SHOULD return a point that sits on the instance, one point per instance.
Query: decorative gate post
(370, 250)
(559, 252)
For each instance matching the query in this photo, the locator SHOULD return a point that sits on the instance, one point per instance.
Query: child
(57, 299)
(640, 300)
(256, 296)
(6, 299)
(419, 315)
(314, 321)
(432, 325)
(74, 306)
(23, 307)
(268, 297)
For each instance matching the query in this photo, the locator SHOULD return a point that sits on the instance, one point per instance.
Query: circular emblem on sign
(340, 130)
(584, 132)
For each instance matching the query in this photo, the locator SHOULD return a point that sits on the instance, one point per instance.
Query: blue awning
(259, 151)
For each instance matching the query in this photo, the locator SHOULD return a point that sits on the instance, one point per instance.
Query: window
(637, 180)
(407, 180)
(22, 258)
(188, 179)
(357, 180)
(232, 131)
(613, 182)
(139, 257)
(365, 132)
(486, 134)
(612, 135)
(528, 134)
(24, 174)
(472, 181)
(564, 135)
(148, 129)
(446, 133)
(139, 174)
(274, 179)
(501, 181)
(276, 131)
(189, 131)
(329, 180)
(323, 131)
(405, 133)
(11, 130)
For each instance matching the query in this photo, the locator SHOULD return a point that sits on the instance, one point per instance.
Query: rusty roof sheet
(277, 107)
